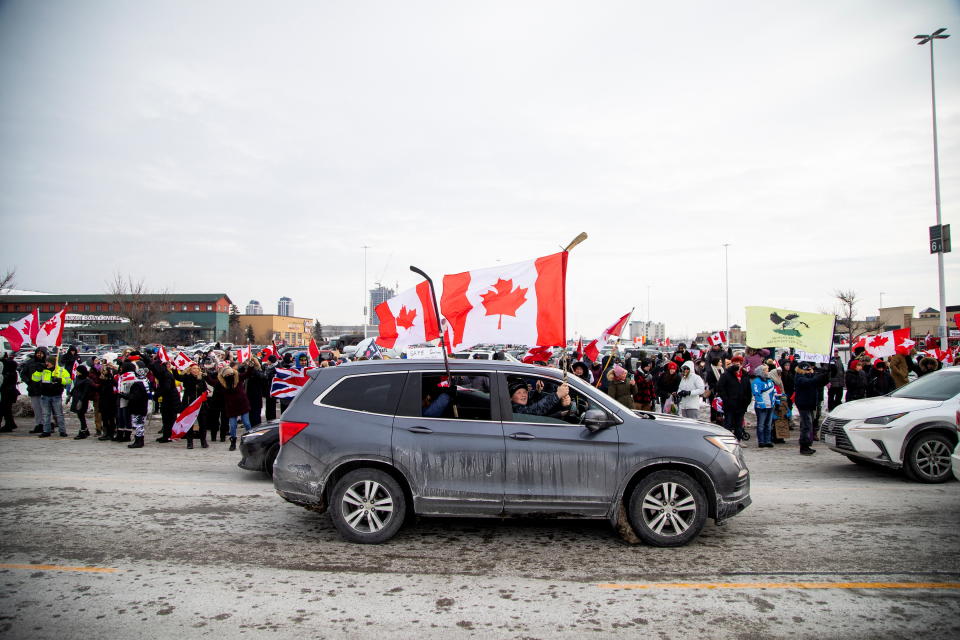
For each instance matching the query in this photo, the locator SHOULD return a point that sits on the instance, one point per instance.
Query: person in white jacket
(689, 392)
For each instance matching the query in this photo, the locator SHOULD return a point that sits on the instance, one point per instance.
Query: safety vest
(52, 381)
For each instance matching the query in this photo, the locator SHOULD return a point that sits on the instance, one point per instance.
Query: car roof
(380, 366)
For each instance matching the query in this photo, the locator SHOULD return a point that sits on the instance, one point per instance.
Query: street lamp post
(924, 39)
(365, 247)
(726, 279)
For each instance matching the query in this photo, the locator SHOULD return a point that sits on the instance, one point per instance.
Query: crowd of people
(123, 392)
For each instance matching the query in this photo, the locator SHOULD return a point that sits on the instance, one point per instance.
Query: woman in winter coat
(255, 384)
(236, 406)
(788, 376)
(855, 381)
(646, 391)
(880, 382)
(80, 400)
(927, 365)
(619, 388)
(689, 390)
(195, 385)
(107, 404)
(764, 398)
(667, 383)
(710, 379)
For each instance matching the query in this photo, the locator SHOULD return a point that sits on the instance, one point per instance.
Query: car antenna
(443, 338)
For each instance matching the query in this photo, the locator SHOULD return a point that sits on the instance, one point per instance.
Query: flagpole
(566, 359)
(443, 345)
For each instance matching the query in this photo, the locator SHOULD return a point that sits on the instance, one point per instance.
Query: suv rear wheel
(367, 506)
(928, 459)
(668, 509)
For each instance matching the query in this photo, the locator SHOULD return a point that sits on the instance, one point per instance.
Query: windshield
(935, 386)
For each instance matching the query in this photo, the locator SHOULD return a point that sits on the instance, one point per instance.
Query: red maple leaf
(405, 317)
(878, 341)
(504, 300)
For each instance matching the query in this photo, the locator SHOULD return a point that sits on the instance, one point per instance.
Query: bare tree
(846, 313)
(7, 279)
(144, 310)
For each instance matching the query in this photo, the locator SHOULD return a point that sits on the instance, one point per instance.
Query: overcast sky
(254, 147)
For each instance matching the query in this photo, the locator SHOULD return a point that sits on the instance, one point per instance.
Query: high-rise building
(254, 308)
(652, 330)
(378, 295)
(285, 306)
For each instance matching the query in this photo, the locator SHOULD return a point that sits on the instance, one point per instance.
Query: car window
(376, 393)
(471, 397)
(930, 387)
(542, 404)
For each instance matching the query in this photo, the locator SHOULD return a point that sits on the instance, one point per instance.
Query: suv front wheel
(928, 459)
(668, 509)
(367, 506)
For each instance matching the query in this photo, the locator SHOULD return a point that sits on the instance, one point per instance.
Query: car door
(553, 464)
(455, 464)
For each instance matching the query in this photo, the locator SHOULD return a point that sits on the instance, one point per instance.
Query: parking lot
(102, 541)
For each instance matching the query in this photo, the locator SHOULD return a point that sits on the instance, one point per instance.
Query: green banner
(785, 328)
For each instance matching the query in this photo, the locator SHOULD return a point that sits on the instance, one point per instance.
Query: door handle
(419, 430)
(522, 436)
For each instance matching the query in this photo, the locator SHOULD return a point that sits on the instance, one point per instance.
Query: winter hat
(672, 366)
(516, 386)
(619, 372)
(738, 359)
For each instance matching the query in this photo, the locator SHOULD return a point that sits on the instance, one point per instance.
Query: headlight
(884, 420)
(727, 443)
(252, 434)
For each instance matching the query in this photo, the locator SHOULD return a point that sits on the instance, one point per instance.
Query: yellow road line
(57, 567)
(783, 585)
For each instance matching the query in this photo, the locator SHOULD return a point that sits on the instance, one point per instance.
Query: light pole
(881, 299)
(365, 247)
(924, 39)
(726, 279)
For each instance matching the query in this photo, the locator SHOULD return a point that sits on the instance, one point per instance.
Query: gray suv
(375, 442)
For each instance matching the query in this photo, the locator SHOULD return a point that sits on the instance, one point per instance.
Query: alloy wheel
(933, 458)
(367, 506)
(669, 509)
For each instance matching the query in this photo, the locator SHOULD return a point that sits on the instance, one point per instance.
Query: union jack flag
(287, 383)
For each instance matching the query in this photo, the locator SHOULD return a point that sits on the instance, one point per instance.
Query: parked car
(259, 447)
(913, 428)
(372, 441)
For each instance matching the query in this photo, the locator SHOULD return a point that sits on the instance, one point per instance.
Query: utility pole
(365, 247)
(726, 278)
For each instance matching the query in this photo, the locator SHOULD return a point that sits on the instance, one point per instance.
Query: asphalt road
(99, 541)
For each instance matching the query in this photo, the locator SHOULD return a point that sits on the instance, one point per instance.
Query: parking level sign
(940, 238)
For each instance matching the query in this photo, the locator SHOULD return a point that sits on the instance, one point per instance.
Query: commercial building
(267, 328)
(285, 307)
(181, 318)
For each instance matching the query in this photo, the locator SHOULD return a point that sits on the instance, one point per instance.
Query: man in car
(547, 404)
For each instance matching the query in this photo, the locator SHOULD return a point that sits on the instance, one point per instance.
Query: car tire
(367, 506)
(270, 459)
(928, 458)
(668, 509)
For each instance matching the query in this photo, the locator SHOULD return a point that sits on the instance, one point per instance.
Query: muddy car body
(370, 442)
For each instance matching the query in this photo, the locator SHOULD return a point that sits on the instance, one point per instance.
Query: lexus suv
(913, 428)
(373, 442)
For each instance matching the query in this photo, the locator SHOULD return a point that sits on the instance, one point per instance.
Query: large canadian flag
(51, 331)
(720, 337)
(613, 331)
(23, 330)
(187, 417)
(407, 318)
(521, 303)
(884, 345)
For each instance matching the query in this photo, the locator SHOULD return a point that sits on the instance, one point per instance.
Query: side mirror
(595, 420)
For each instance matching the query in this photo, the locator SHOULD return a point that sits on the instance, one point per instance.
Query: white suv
(913, 428)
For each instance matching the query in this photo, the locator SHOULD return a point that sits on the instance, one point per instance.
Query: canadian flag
(162, 354)
(244, 354)
(407, 318)
(23, 330)
(187, 417)
(181, 361)
(884, 345)
(578, 353)
(720, 337)
(537, 354)
(613, 331)
(314, 352)
(51, 331)
(943, 356)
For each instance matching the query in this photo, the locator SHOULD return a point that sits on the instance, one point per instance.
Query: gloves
(683, 394)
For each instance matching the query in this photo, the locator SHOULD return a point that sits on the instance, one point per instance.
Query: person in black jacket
(855, 380)
(137, 407)
(195, 385)
(808, 389)
(269, 371)
(735, 392)
(880, 382)
(107, 405)
(667, 383)
(255, 383)
(167, 395)
(80, 400)
(8, 393)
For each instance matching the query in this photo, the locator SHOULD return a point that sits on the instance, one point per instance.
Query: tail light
(289, 429)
